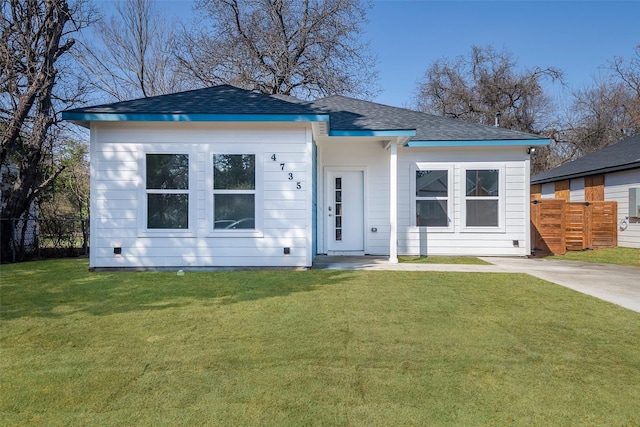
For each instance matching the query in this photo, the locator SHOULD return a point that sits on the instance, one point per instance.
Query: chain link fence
(25, 239)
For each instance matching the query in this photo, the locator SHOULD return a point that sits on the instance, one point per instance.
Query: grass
(619, 256)
(319, 347)
(441, 260)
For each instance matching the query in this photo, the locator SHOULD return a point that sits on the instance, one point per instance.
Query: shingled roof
(223, 99)
(353, 114)
(623, 155)
(343, 114)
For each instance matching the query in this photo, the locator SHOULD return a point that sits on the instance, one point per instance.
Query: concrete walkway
(616, 284)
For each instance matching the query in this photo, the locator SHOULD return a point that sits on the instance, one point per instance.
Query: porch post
(393, 202)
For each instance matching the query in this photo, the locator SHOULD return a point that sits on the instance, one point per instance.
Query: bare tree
(69, 197)
(628, 72)
(131, 53)
(34, 36)
(304, 48)
(486, 83)
(605, 112)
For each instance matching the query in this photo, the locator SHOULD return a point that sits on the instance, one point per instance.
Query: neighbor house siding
(616, 188)
(117, 191)
(577, 190)
(461, 240)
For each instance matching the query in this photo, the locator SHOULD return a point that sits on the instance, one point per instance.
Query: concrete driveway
(613, 283)
(616, 284)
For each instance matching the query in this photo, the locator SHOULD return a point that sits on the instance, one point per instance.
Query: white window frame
(501, 197)
(143, 231)
(258, 191)
(450, 196)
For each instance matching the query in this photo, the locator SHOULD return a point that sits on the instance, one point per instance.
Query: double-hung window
(482, 197)
(432, 198)
(432, 193)
(167, 191)
(234, 191)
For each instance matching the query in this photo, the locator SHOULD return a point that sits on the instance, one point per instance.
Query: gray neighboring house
(611, 174)
(225, 177)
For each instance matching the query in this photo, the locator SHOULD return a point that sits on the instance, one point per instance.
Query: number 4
(273, 157)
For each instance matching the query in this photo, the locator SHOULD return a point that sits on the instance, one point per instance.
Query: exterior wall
(616, 188)
(548, 191)
(513, 163)
(577, 190)
(562, 190)
(118, 195)
(372, 156)
(369, 155)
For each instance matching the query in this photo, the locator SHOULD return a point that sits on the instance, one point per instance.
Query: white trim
(500, 198)
(365, 220)
(256, 150)
(93, 199)
(449, 167)
(143, 231)
(527, 200)
(393, 203)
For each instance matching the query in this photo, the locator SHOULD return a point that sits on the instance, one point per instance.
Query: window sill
(235, 233)
(430, 229)
(495, 230)
(166, 233)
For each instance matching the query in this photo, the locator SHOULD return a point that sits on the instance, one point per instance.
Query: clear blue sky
(407, 36)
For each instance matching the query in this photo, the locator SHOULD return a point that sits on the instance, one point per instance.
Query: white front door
(345, 211)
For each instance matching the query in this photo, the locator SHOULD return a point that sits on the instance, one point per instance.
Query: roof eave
(86, 117)
(618, 168)
(374, 132)
(479, 143)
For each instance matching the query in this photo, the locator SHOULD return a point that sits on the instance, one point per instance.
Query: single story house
(611, 174)
(225, 177)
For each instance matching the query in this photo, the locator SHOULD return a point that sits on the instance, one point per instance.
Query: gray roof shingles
(353, 114)
(623, 155)
(345, 113)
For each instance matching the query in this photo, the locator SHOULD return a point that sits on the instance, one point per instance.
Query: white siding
(616, 188)
(370, 153)
(118, 195)
(512, 162)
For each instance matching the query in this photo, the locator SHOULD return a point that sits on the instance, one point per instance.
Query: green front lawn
(441, 260)
(319, 347)
(619, 256)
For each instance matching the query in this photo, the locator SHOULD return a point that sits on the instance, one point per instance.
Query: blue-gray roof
(354, 114)
(223, 99)
(623, 155)
(342, 113)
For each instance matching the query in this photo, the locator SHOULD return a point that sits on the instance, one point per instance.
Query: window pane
(233, 211)
(431, 213)
(168, 211)
(482, 183)
(431, 184)
(168, 171)
(482, 213)
(234, 171)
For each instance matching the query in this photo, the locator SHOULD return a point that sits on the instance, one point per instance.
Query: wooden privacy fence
(558, 226)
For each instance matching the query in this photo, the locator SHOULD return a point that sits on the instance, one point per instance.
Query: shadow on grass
(58, 288)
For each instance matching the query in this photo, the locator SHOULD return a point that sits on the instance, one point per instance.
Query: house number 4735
(289, 174)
